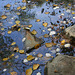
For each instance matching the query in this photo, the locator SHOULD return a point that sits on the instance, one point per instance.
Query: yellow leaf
(11, 55)
(45, 24)
(9, 32)
(7, 8)
(14, 25)
(23, 8)
(69, 4)
(2, 28)
(18, 8)
(4, 17)
(21, 51)
(23, 1)
(46, 36)
(18, 13)
(37, 20)
(17, 22)
(35, 66)
(46, 12)
(13, 43)
(34, 32)
(19, 29)
(5, 59)
(55, 5)
(13, 73)
(46, 0)
(73, 12)
(62, 42)
(8, 5)
(30, 57)
(29, 26)
(29, 71)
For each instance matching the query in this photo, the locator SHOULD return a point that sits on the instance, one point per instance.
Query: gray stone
(61, 65)
(70, 31)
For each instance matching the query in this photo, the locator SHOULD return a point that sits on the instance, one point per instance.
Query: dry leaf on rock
(35, 66)
(45, 24)
(13, 73)
(29, 71)
(34, 32)
(30, 57)
(16, 49)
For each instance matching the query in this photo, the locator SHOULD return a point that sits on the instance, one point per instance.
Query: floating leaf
(18, 8)
(9, 32)
(17, 22)
(34, 32)
(4, 17)
(13, 73)
(21, 51)
(29, 26)
(8, 5)
(13, 43)
(30, 57)
(35, 66)
(46, 12)
(23, 1)
(19, 29)
(46, 36)
(5, 59)
(37, 20)
(23, 8)
(29, 71)
(45, 24)
(2, 28)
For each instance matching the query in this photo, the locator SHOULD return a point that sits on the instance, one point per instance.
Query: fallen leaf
(62, 42)
(73, 12)
(23, 1)
(19, 29)
(46, 36)
(35, 66)
(34, 32)
(2, 28)
(17, 22)
(30, 57)
(21, 51)
(46, 12)
(55, 5)
(4, 17)
(45, 24)
(23, 8)
(5, 59)
(13, 73)
(29, 26)
(46, 0)
(37, 20)
(9, 32)
(18, 13)
(18, 8)
(36, 46)
(8, 5)
(16, 49)
(11, 55)
(13, 43)
(29, 71)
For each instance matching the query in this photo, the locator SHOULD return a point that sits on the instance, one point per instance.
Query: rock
(61, 65)
(70, 31)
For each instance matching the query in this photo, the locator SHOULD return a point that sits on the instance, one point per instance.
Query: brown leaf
(35, 66)
(23, 1)
(34, 32)
(4, 17)
(29, 71)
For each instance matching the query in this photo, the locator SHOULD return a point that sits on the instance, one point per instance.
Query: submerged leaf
(34, 32)
(46, 12)
(17, 22)
(13, 73)
(35, 66)
(4, 17)
(37, 20)
(5, 59)
(45, 24)
(8, 5)
(29, 71)
(9, 32)
(18, 8)
(23, 1)
(13, 43)
(23, 8)
(30, 57)
(21, 51)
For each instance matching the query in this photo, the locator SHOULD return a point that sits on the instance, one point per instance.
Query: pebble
(4, 70)
(36, 58)
(49, 29)
(38, 73)
(16, 56)
(43, 30)
(73, 17)
(27, 54)
(62, 14)
(52, 33)
(48, 54)
(57, 53)
(23, 39)
(25, 60)
(57, 50)
(67, 45)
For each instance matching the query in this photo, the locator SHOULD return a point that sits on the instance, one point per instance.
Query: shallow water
(34, 10)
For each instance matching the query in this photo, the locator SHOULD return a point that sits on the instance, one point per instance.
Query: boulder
(61, 65)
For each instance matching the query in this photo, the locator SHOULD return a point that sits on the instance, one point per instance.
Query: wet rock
(61, 65)
(31, 41)
(70, 31)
